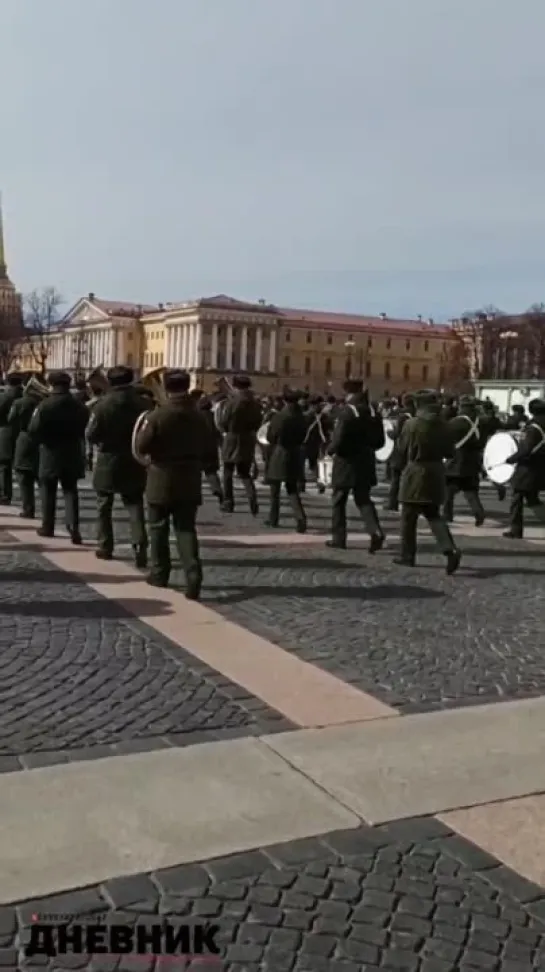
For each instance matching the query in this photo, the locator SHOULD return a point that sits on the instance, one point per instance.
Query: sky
(359, 155)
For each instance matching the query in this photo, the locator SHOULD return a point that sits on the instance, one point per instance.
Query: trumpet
(153, 381)
(37, 386)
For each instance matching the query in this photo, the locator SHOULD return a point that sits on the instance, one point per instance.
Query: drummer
(529, 476)
(395, 463)
(463, 468)
(490, 423)
(285, 465)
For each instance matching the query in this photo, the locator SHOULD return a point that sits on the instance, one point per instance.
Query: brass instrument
(37, 386)
(153, 381)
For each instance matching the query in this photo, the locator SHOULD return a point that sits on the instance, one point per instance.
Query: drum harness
(316, 423)
(534, 425)
(472, 431)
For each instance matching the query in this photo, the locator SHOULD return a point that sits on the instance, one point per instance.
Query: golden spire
(3, 268)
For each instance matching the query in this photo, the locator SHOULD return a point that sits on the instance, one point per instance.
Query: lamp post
(80, 344)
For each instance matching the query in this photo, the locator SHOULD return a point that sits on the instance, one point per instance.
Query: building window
(330, 339)
(288, 337)
(309, 337)
(308, 365)
(406, 371)
(287, 364)
(424, 372)
(369, 342)
(389, 343)
(426, 345)
(407, 345)
(328, 367)
(367, 369)
(387, 370)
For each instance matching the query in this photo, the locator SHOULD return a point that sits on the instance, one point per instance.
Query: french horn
(153, 381)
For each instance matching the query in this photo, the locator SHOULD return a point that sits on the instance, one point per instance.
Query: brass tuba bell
(37, 386)
(153, 381)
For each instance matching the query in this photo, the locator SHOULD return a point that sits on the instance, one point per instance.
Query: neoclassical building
(220, 336)
(11, 317)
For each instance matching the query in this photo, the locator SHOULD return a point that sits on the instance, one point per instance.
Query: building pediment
(84, 312)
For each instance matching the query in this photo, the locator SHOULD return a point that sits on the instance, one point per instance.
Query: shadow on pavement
(285, 563)
(378, 592)
(95, 609)
(54, 576)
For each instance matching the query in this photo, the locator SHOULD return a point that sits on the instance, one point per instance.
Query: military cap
(14, 379)
(290, 396)
(242, 382)
(537, 406)
(353, 386)
(59, 379)
(176, 381)
(120, 375)
(426, 398)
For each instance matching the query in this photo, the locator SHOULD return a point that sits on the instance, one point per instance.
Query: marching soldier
(11, 392)
(489, 423)
(176, 438)
(58, 427)
(25, 461)
(395, 463)
(285, 463)
(316, 437)
(529, 476)
(240, 420)
(424, 444)
(358, 433)
(463, 469)
(116, 471)
(212, 462)
(516, 420)
(97, 390)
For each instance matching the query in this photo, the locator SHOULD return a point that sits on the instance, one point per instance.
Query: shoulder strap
(534, 425)
(316, 423)
(354, 409)
(472, 431)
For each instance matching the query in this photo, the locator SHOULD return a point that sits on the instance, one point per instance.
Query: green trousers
(184, 523)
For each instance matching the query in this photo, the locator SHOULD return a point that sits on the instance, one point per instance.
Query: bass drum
(384, 453)
(262, 435)
(499, 448)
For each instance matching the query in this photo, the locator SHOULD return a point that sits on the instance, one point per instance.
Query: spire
(3, 268)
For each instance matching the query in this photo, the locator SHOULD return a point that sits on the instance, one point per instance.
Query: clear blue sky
(372, 155)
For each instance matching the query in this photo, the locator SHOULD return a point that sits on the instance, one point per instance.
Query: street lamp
(79, 350)
(506, 336)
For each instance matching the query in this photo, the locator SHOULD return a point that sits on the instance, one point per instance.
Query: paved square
(80, 679)
(410, 897)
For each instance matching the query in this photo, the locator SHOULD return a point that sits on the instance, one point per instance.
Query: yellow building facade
(221, 336)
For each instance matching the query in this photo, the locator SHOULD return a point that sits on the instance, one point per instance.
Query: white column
(244, 349)
(214, 350)
(184, 345)
(258, 348)
(178, 346)
(191, 346)
(168, 342)
(229, 348)
(272, 349)
(198, 345)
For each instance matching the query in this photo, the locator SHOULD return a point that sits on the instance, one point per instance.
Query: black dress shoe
(42, 532)
(301, 527)
(76, 538)
(453, 562)
(479, 520)
(401, 562)
(376, 543)
(103, 554)
(140, 555)
(335, 545)
(511, 535)
(157, 581)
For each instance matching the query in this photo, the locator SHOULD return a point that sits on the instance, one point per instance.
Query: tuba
(37, 386)
(153, 381)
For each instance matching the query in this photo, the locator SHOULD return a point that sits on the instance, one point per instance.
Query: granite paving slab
(411, 897)
(81, 678)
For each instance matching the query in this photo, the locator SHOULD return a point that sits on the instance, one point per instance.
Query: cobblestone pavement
(406, 897)
(79, 679)
(415, 640)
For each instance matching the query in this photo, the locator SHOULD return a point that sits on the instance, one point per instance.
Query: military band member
(357, 434)
(212, 462)
(286, 460)
(490, 423)
(110, 429)
(25, 460)
(529, 476)
(58, 427)
(240, 420)
(9, 395)
(395, 465)
(424, 444)
(176, 438)
(463, 469)
(316, 437)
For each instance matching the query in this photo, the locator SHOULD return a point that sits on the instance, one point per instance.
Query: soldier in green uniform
(58, 427)
(177, 439)
(357, 434)
(286, 459)
(25, 460)
(424, 444)
(463, 469)
(11, 392)
(529, 477)
(402, 416)
(116, 470)
(240, 420)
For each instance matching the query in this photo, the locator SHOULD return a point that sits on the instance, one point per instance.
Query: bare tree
(41, 316)
(533, 338)
(8, 355)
